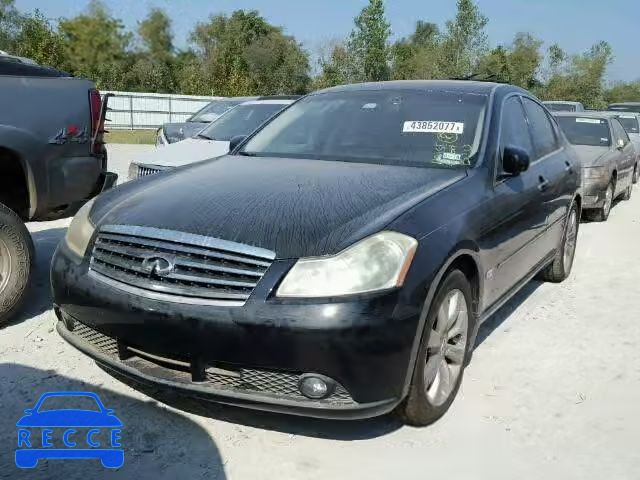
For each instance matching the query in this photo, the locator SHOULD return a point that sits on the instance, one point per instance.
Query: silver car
(608, 159)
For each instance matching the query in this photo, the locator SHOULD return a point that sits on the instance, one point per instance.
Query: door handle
(544, 183)
(569, 168)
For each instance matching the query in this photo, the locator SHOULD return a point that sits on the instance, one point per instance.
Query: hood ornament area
(158, 265)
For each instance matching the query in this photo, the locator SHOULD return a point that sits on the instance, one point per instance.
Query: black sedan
(339, 262)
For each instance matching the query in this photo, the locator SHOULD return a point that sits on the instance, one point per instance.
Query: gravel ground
(553, 391)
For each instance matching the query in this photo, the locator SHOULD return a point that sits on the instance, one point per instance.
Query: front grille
(100, 341)
(268, 382)
(179, 265)
(145, 171)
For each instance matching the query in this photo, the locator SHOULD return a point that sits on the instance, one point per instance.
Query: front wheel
(602, 213)
(636, 174)
(562, 264)
(443, 353)
(16, 262)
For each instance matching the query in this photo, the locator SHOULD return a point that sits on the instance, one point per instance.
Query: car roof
(555, 102)
(272, 101)
(455, 86)
(585, 114)
(619, 104)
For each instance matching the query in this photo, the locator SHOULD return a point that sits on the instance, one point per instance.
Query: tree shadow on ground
(158, 443)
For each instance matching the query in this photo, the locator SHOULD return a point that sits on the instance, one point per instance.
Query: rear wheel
(16, 262)
(562, 264)
(443, 354)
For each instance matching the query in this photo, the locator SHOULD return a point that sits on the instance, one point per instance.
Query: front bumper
(593, 193)
(248, 356)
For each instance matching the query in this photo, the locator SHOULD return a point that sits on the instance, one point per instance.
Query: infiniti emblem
(159, 266)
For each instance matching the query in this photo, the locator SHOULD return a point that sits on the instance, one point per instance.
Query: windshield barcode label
(430, 126)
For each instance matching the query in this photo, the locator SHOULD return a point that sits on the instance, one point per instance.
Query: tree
(416, 57)
(623, 92)
(9, 17)
(337, 69)
(95, 42)
(464, 41)
(582, 78)
(369, 43)
(155, 35)
(243, 54)
(36, 39)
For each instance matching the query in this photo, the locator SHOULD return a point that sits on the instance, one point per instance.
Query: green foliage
(369, 43)
(36, 39)
(623, 92)
(243, 54)
(464, 40)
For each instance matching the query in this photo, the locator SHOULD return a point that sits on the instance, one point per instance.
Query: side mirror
(620, 144)
(235, 141)
(515, 160)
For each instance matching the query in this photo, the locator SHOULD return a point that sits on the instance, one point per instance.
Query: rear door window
(544, 136)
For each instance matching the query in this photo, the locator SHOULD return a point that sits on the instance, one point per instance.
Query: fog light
(316, 387)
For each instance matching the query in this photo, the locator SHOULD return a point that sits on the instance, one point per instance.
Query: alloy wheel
(446, 349)
(5, 265)
(570, 241)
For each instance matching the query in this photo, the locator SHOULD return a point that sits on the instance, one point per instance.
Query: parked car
(178, 131)
(625, 107)
(564, 106)
(51, 160)
(339, 262)
(631, 124)
(214, 140)
(608, 159)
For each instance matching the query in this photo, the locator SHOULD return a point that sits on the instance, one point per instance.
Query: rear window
(625, 108)
(586, 131)
(560, 107)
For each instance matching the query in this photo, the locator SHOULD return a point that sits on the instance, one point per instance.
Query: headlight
(160, 140)
(133, 171)
(378, 262)
(595, 173)
(80, 231)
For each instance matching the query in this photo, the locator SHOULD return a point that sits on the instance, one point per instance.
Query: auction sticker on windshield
(431, 126)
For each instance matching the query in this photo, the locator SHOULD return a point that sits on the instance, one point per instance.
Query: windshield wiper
(247, 154)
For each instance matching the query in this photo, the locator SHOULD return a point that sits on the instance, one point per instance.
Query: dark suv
(339, 262)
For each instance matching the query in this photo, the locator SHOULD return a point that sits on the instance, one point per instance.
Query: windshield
(560, 107)
(69, 402)
(242, 120)
(586, 131)
(405, 127)
(212, 111)
(630, 123)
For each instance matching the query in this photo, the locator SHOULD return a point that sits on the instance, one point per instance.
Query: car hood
(184, 152)
(590, 156)
(174, 132)
(294, 207)
(69, 418)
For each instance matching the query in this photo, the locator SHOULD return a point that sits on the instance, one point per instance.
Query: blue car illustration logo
(89, 432)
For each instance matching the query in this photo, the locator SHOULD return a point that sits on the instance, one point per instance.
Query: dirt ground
(553, 391)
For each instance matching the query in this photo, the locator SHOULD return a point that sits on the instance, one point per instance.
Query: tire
(429, 397)
(560, 269)
(636, 174)
(16, 263)
(602, 214)
(627, 193)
